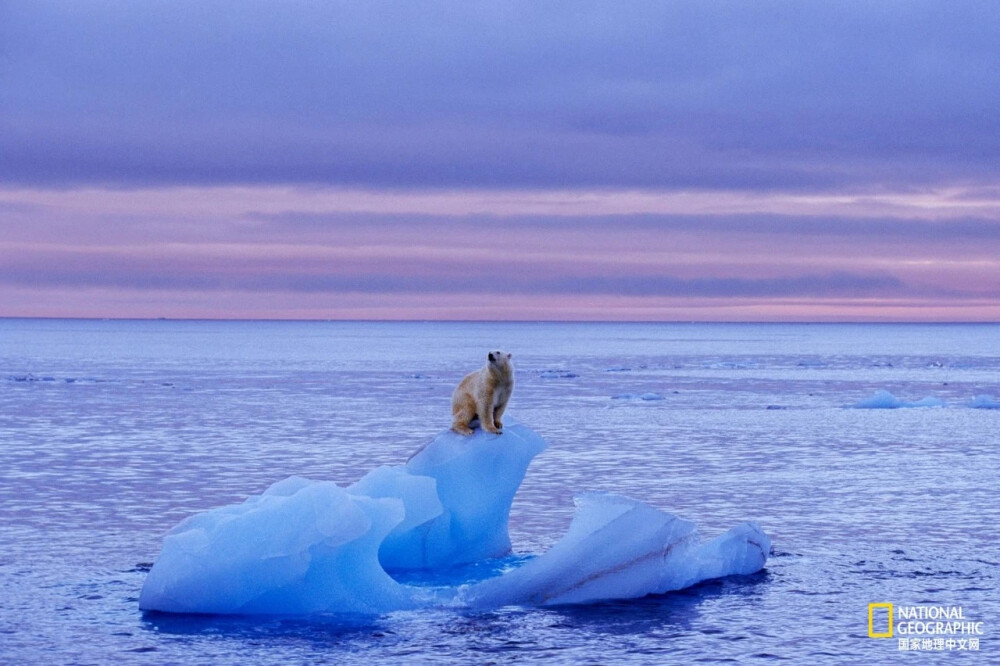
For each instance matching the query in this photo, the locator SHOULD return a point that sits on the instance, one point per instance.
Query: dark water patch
(315, 627)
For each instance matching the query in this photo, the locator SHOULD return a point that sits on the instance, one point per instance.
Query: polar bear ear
(508, 354)
(492, 358)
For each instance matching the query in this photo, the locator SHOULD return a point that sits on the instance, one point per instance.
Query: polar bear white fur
(483, 394)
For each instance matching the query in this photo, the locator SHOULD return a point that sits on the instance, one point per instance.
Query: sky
(653, 161)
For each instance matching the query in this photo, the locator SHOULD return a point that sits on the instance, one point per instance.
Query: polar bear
(483, 394)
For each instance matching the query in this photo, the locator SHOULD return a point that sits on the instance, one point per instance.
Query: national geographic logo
(872, 633)
(925, 627)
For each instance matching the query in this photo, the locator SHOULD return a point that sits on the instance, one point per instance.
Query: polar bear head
(498, 359)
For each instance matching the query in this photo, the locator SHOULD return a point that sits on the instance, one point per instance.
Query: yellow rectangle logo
(871, 621)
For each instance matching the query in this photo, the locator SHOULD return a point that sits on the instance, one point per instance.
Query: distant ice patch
(31, 378)
(984, 402)
(637, 396)
(882, 399)
(558, 374)
(305, 547)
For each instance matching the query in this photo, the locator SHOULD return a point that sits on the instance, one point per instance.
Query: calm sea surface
(113, 431)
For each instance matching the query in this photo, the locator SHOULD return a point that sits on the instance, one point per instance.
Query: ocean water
(111, 432)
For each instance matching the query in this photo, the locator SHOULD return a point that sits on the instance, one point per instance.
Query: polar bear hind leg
(463, 411)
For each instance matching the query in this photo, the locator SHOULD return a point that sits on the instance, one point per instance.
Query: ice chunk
(640, 396)
(476, 477)
(882, 399)
(618, 548)
(301, 547)
(417, 493)
(984, 402)
(558, 374)
(740, 551)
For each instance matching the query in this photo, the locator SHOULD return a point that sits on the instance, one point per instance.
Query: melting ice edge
(308, 547)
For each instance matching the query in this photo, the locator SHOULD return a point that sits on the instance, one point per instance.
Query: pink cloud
(278, 252)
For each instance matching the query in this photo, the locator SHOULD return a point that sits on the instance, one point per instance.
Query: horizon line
(805, 322)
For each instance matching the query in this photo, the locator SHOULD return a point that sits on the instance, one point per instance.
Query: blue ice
(637, 396)
(984, 402)
(618, 548)
(882, 399)
(305, 547)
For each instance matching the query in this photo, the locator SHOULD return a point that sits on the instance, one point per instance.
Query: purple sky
(654, 161)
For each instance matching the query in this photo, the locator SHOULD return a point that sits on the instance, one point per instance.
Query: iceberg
(310, 547)
(882, 399)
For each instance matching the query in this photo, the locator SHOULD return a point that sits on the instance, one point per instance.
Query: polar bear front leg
(498, 414)
(485, 411)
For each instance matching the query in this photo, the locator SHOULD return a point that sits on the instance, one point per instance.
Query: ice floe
(305, 547)
(984, 402)
(883, 399)
(638, 396)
